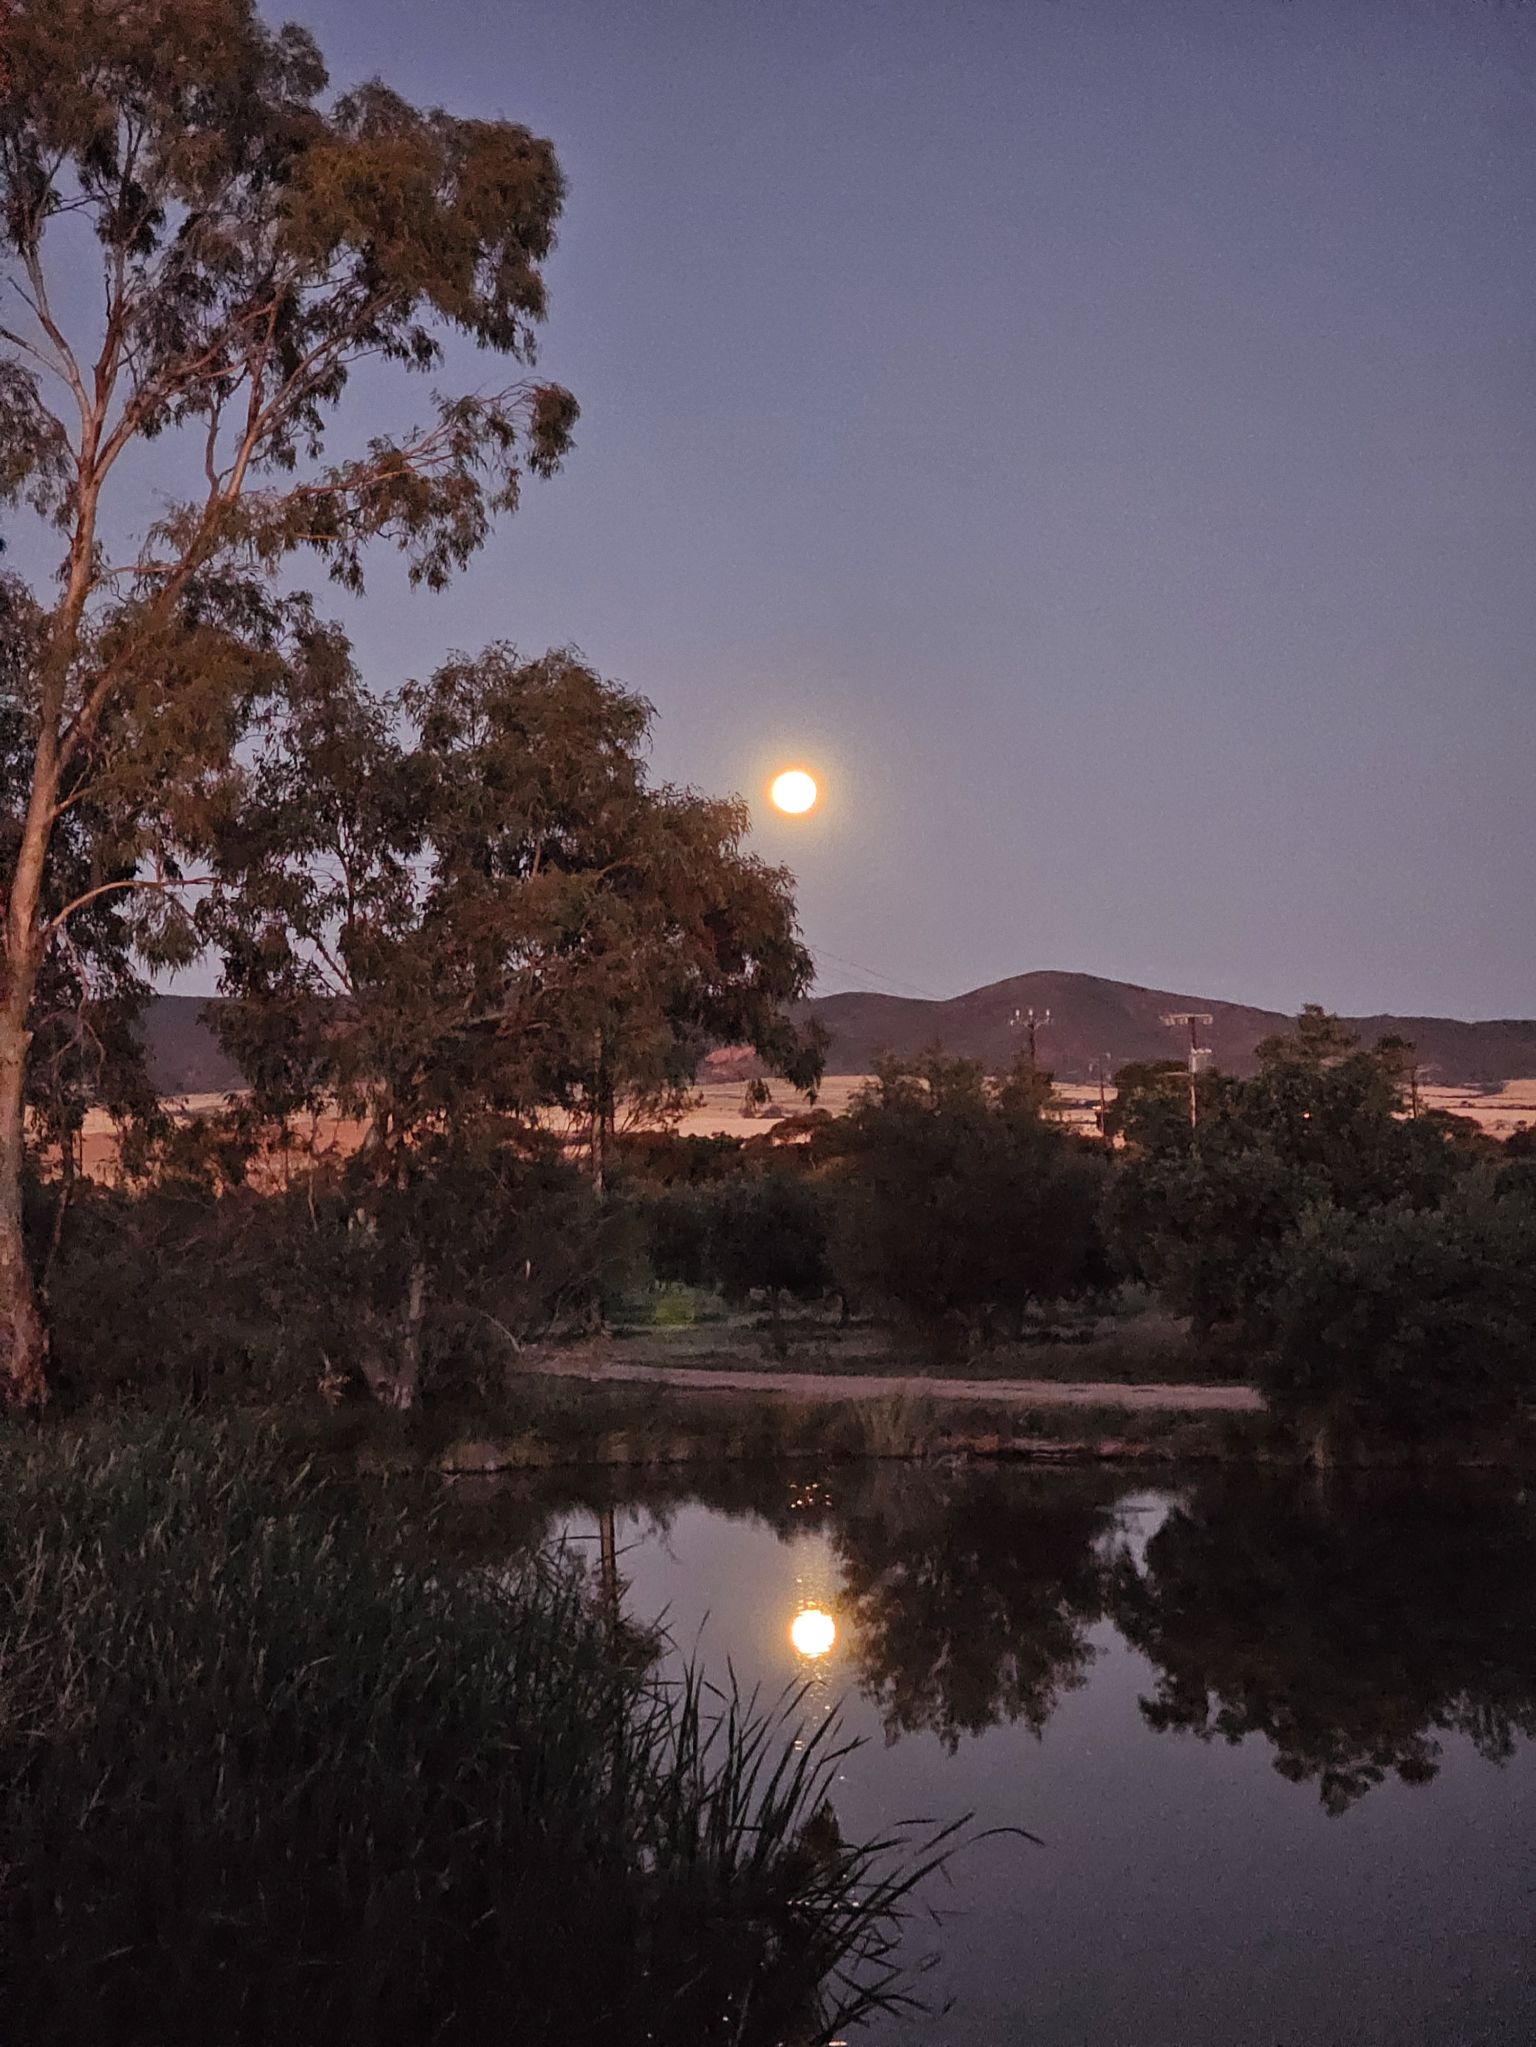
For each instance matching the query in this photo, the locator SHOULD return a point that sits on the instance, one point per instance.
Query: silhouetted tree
(254, 243)
(1203, 1212)
(768, 1235)
(1407, 1325)
(447, 912)
(960, 1203)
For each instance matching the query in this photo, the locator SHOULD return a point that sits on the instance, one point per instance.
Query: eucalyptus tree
(201, 246)
(85, 1047)
(446, 912)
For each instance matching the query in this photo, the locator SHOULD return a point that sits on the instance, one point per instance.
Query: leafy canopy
(959, 1201)
(471, 899)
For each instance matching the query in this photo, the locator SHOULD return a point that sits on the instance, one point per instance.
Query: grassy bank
(540, 1423)
(262, 1756)
(570, 1424)
(692, 1329)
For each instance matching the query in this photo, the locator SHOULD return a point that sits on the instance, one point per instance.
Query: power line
(819, 954)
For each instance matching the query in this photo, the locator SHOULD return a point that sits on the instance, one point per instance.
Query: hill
(1090, 1018)
(183, 1055)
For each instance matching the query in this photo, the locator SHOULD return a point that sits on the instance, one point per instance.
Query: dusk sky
(1097, 438)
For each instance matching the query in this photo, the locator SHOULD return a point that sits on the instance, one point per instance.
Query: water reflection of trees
(1350, 1625)
(968, 1596)
(965, 1595)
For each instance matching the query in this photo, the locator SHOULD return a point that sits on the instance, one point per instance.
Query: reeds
(273, 1771)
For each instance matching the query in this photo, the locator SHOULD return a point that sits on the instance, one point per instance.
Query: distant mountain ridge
(1093, 1018)
(1090, 1018)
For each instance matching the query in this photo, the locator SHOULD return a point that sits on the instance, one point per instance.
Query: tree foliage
(253, 245)
(1408, 1324)
(960, 1203)
(472, 899)
(1202, 1212)
(91, 988)
(448, 911)
(762, 1229)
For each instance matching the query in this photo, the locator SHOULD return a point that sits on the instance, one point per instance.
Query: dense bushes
(1372, 1269)
(267, 1766)
(1200, 1213)
(946, 1201)
(959, 1205)
(762, 1232)
(1409, 1324)
(213, 1286)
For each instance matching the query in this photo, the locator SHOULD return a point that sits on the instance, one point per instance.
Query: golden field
(721, 1108)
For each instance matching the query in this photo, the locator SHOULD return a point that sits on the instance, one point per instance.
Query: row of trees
(954, 1203)
(1375, 1272)
(1374, 1269)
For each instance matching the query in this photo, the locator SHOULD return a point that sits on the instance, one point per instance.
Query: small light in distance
(794, 791)
(813, 1632)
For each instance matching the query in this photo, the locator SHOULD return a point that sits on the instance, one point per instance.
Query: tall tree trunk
(408, 1385)
(23, 1334)
(23, 1338)
(597, 1139)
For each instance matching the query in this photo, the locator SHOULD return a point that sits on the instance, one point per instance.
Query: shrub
(1407, 1325)
(959, 1204)
(215, 1288)
(267, 1759)
(769, 1236)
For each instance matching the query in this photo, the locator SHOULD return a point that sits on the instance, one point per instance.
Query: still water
(1273, 1735)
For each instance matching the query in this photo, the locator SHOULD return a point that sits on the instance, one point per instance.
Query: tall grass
(272, 1774)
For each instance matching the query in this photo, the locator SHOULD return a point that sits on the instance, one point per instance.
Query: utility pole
(1198, 1053)
(1031, 1021)
(1102, 1066)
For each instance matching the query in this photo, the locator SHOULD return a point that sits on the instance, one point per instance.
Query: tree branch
(107, 888)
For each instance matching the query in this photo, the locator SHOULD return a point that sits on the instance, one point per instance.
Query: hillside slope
(184, 1056)
(1092, 1018)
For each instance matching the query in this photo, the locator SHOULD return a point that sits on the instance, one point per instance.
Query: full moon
(812, 1631)
(794, 790)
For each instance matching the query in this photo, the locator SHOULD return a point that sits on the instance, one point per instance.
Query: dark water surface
(1274, 1734)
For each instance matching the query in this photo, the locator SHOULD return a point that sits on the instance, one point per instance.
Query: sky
(1096, 438)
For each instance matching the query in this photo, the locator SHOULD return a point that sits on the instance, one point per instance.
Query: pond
(1272, 1734)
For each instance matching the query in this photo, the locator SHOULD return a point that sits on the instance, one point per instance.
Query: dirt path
(883, 1386)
